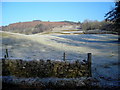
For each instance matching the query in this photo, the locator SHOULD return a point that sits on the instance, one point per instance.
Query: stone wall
(44, 68)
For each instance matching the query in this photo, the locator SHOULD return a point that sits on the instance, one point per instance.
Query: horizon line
(50, 21)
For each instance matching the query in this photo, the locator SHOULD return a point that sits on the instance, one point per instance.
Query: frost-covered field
(104, 49)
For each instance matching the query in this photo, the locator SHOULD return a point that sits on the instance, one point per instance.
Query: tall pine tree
(114, 16)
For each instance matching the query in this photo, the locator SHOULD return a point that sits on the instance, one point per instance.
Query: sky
(13, 12)
(58, 0)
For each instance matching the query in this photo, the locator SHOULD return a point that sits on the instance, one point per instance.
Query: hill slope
(38, 26)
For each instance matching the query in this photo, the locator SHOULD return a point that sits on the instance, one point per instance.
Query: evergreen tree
(114, 16)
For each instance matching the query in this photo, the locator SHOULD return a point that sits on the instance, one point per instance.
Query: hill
(38, 26)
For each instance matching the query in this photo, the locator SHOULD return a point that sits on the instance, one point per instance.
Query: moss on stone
(41, 68)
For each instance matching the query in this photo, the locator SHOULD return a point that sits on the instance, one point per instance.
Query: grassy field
(104, 48)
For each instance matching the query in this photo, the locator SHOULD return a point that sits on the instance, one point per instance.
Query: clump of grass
(42, 69)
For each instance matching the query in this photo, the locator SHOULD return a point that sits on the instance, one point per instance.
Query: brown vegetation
(32, 27)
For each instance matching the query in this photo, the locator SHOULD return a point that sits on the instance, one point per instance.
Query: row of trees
(93, 25)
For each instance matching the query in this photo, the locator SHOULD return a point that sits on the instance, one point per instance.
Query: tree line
(96, 25)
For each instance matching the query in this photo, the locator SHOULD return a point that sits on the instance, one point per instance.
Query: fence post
(64, 56)
(6, 53)
(89, 63)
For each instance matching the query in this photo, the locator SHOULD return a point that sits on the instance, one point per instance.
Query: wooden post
(5, 56)
(6, 53)
(89, 63)
(64, 56)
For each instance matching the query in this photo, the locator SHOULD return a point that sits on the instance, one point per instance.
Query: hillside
(38, 26)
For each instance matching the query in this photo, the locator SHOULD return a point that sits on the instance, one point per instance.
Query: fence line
(88, 62)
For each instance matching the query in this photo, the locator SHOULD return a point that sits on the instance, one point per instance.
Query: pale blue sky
(58, 0)
(54, 11)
